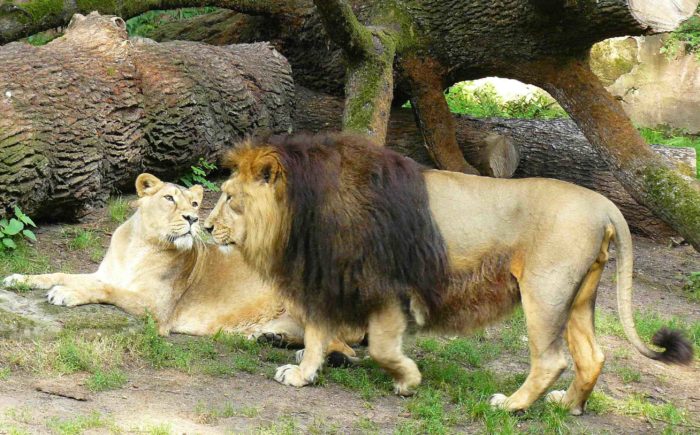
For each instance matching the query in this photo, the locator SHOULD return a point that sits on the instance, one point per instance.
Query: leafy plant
(199, 175)
(686, 38)
(15, 228)
(146, 23)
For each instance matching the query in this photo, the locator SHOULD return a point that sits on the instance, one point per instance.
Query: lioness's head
(250, 213)
(168, 214)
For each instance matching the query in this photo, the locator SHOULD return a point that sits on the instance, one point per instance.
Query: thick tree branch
(648, 177)
(369, 53)
(433, 117)
(19, 19)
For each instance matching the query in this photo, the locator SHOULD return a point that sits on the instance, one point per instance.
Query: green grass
(103, 380)
(647, 324)
(5, 373)
(674, 138)
(118, 209)
(637, 405)
(82, 239)
(79, 424)
(692, 286)
(25, 259)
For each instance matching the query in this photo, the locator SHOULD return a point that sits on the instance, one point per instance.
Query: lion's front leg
(316, 340)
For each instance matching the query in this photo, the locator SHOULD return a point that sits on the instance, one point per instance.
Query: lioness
(359, 235)
(157, 262)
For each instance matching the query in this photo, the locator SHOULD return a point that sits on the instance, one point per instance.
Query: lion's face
(250, 213)
(168, 214)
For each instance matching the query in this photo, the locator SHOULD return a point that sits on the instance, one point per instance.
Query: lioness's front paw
(65, 296)
(291, 375)
(14, 280)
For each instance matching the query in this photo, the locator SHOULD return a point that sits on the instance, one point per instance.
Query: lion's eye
(195, 204)
(169, 198)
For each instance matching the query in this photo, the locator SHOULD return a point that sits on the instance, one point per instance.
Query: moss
(12, 323)
(365, 86)
(103, 6)
(39, 9)
(676, 196)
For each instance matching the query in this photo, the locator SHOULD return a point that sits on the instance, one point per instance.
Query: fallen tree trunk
(83, 115)
(555, 149)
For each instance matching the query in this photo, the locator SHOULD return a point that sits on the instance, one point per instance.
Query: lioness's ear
(147, 184)
(198, 191)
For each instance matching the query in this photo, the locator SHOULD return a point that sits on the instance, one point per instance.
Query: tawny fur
(542, 241)
(199, 290)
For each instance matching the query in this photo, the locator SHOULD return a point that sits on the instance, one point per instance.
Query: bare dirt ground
(176, 400)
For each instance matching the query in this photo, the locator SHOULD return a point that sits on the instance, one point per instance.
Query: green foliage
(484, 102)
(672, 137)
(198, 175)
(685, 38)
(692, 286)
(15, 228)
(146, 23)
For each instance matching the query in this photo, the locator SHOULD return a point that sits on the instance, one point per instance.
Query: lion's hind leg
(580, 334)
(545, 320)
(386, 328)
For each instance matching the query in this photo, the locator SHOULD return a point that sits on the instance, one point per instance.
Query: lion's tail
(677, 349)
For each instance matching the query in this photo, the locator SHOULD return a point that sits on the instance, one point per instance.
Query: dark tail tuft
(678, 349)
(339, 359)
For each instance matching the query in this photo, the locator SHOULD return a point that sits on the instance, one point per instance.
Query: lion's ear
(147, 184)
(269, 171)
(198, 191)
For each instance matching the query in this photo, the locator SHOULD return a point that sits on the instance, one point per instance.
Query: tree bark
(83, 115)
(648, 177)
(555, 149)
(471, 39)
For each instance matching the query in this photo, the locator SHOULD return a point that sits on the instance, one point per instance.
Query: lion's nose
(189, 218)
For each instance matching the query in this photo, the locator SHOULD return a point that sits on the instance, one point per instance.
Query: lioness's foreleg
(64, 288)
(385, 329)
(316, 340)
(545, 325)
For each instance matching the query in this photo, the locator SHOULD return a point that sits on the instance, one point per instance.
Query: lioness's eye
(169, 198)
(195, 204)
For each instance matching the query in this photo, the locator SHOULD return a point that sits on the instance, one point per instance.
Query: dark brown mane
(361, 228)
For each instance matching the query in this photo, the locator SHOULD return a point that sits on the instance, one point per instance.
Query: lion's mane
(360, 231)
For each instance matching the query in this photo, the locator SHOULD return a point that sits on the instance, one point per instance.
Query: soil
(154, 397)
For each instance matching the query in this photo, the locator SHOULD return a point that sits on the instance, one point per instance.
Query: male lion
(157, 262)
(357, 235)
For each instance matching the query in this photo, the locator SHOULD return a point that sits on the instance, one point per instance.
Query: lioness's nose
(189, 218)
(209, 228)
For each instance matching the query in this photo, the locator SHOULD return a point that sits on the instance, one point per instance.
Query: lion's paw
(62, 295)
(403, 389)
(557, 396)
(498, 401)
(271, 338)
(14, 280)
(291, 375)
